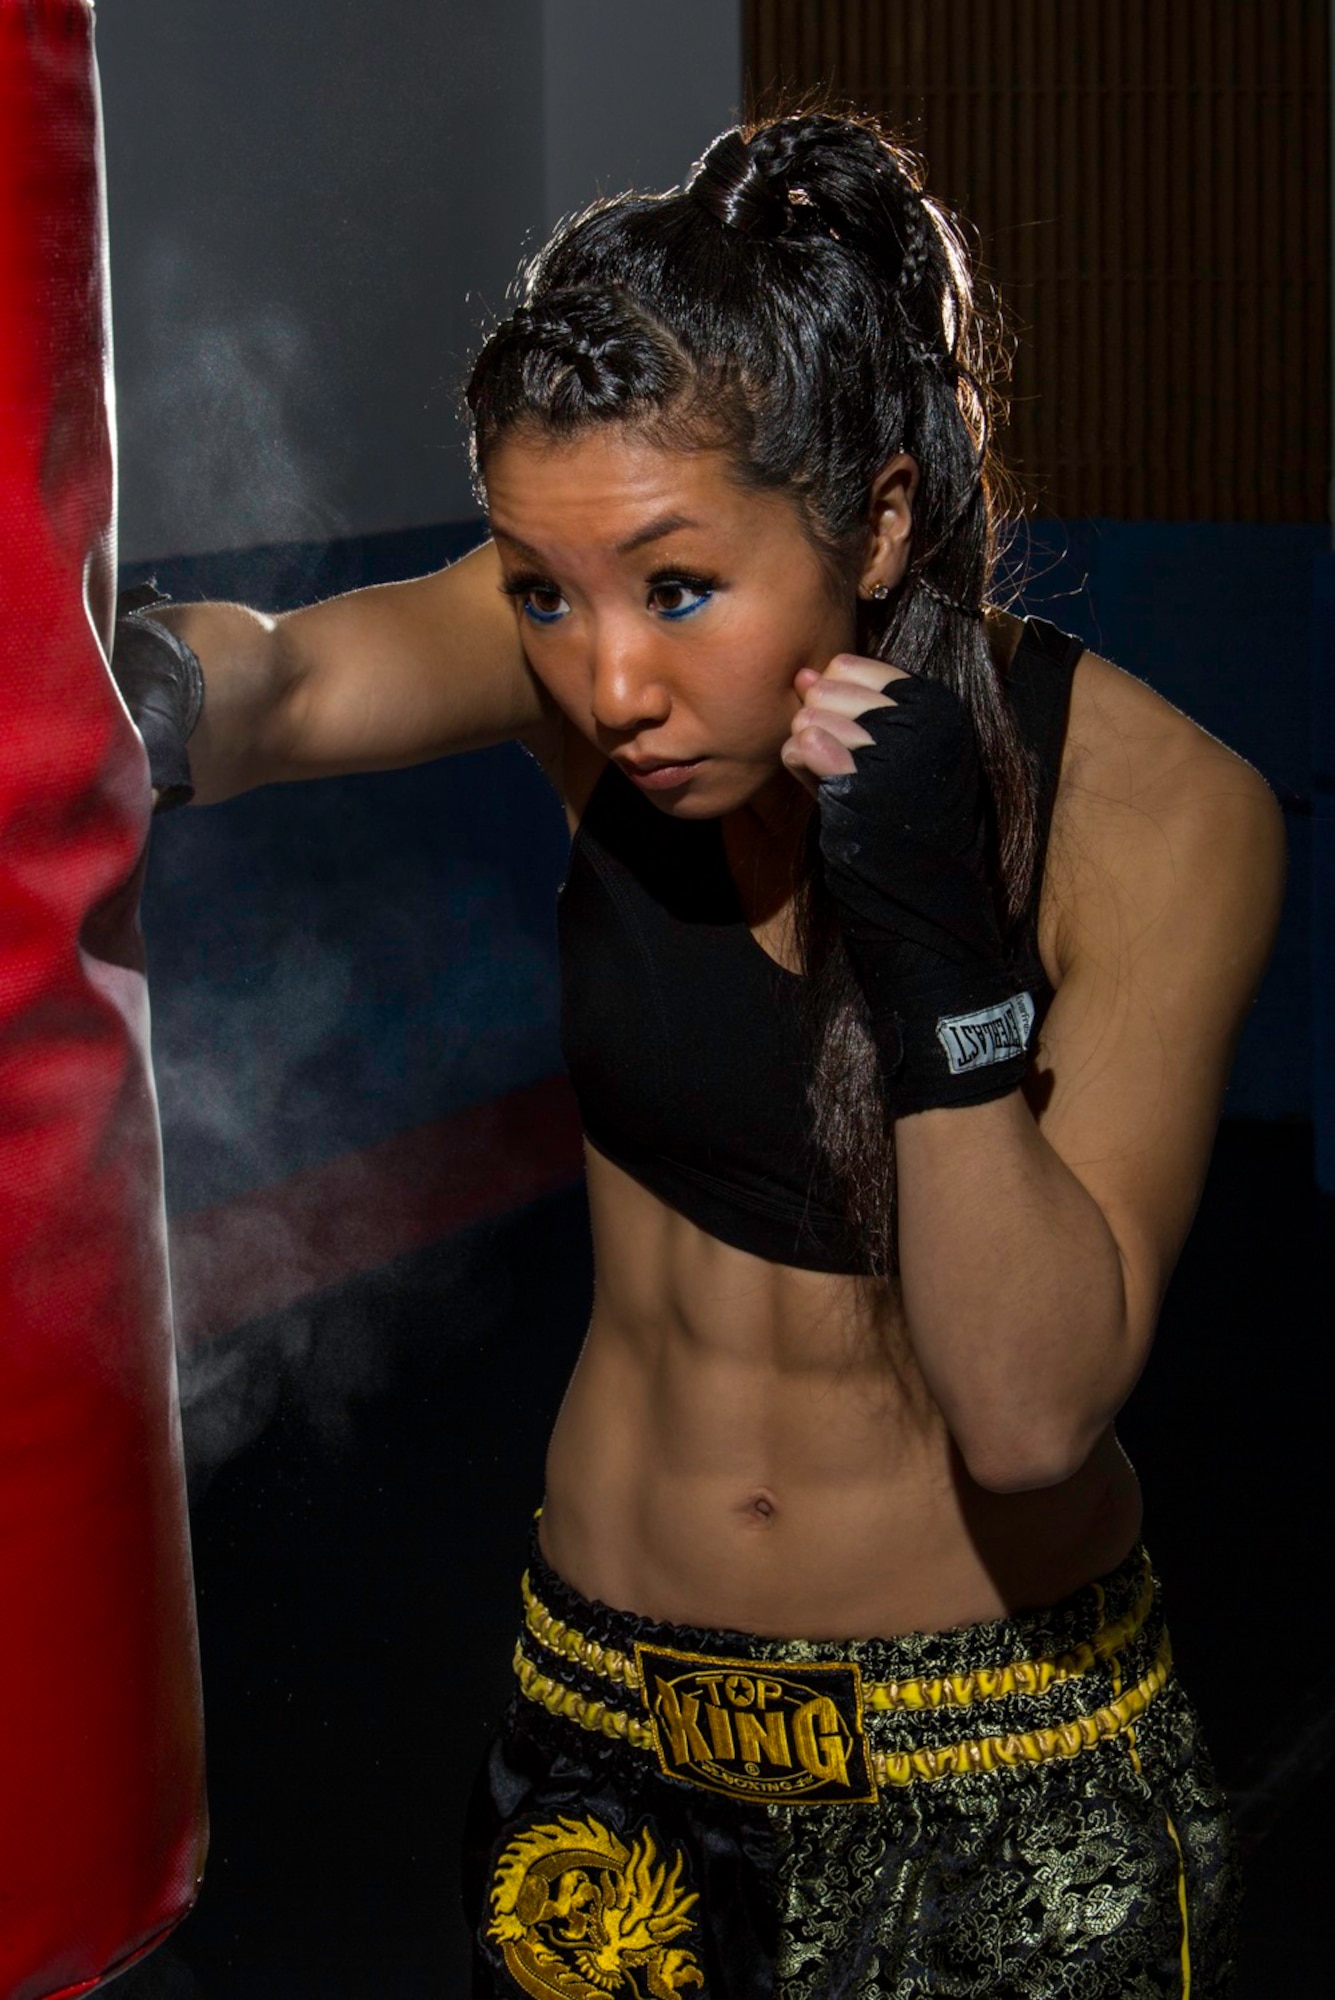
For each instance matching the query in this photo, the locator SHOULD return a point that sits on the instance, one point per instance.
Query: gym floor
(358, 1562)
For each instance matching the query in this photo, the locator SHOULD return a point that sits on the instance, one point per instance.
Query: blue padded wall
(333, 962)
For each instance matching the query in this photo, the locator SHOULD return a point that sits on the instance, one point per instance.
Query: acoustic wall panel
(1151, 185)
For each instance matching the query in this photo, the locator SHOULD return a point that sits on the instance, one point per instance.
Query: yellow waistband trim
(895, 1768)
(883, 1697)
(1030, 1746)
(596, 1715)
(587, 1653)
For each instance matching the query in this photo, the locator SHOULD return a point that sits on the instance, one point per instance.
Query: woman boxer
(904, 948)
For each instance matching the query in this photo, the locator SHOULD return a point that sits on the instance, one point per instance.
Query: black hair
(803, 304)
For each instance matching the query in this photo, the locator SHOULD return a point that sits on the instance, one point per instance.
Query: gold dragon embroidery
(579, 1915)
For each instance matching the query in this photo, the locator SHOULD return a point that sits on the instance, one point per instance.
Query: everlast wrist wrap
(903, 838)
(163, 687)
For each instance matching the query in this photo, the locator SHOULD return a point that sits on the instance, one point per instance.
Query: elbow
(1021, 1447)
(1021, 1462)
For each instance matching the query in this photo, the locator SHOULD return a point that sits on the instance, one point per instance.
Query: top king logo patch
(774, 1732)
(992, 1035)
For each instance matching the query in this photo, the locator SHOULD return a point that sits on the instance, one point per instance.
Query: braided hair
(803, 305)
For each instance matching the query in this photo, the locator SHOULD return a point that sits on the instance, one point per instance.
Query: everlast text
(992, 1035)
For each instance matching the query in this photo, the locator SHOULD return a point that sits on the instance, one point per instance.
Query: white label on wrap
(992, 1035)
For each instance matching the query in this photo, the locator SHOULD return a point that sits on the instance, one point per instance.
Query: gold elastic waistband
(793, 1731)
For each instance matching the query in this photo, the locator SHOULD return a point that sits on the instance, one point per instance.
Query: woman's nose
(627, 690)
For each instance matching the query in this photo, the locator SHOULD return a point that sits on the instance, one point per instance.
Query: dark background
(313, 211)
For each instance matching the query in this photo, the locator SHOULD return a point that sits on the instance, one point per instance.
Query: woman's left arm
(1036, 1243)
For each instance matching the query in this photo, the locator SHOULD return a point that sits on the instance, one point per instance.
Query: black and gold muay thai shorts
(1021, 1809)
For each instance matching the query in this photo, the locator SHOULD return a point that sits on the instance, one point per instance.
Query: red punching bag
(102, 1827)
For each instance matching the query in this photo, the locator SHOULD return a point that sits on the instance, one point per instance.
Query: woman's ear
(889, 526)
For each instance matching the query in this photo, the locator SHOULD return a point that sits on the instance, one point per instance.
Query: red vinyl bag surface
(102, 1826)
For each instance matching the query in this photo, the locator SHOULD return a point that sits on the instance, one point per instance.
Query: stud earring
(879, 591)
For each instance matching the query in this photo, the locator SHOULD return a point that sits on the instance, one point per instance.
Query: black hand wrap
(163, 687)
(903, 838)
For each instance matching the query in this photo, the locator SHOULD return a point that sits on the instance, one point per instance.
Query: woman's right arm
(379, 678)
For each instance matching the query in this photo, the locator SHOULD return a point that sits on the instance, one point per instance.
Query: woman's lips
(660, 777)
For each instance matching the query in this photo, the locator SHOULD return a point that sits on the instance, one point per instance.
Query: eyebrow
(666, 524)
(653, 531)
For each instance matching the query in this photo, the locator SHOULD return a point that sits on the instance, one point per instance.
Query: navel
(761, 1506)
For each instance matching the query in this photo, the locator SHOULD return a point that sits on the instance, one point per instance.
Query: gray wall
(632, 93)
(314, 207)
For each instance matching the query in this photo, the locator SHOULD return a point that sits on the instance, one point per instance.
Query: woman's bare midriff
(748, 1446)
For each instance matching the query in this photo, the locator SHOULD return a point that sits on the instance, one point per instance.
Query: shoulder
(1156, 822)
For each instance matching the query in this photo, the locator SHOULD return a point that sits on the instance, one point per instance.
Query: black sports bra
(684, 1039)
